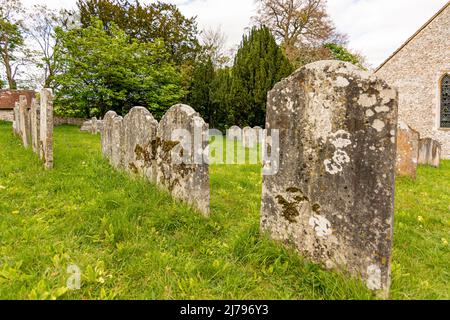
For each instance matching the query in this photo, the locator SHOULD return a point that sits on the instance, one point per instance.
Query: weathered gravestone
(86, 126)
(94, 125)
(34, 122)
(16, 122)
(429, 152)
(140, 130)
(332, 197)
(407, 150)
(117, 143)
(106, 137)
(182, 169)
(249, 137)
(25, 130)
(46, 128)
(234, 133)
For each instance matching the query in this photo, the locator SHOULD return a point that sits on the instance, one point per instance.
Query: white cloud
(376, 28)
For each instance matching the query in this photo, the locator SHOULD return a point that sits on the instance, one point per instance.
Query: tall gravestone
(46, 128)
(34, 122)
(407, 150)
(117, 143)
(332, 197)
(106, 135)
(16, 122)
(234, 133)
(430, 152)
(140, 130)
(25, 130)
(182, 169)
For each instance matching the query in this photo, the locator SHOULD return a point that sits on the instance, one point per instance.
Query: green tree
(339, 52)
(199, 96)
(259, 64)
(146, 23)
(11, 39)
(106, 70)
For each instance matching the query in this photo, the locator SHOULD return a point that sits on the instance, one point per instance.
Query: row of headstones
(138, 144)
(250, 137)
(93, 126)
(34, 125)
(412, 151)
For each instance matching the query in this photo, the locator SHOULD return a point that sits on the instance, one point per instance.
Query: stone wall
(93, 126)
(57, 121)
(332, 197)
(34, 125)
(170, 153)
(416, 71)
(7, 115)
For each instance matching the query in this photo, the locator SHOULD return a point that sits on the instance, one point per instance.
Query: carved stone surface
(106, 133)
(140, 130)
(333, 195)
(234, 132)
(407, 150)
(46, 128)
(182, 138)
(117, 143)
(25, 125)
(430, 152)
(34, 122)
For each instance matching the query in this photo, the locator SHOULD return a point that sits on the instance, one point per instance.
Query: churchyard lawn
(132, 241)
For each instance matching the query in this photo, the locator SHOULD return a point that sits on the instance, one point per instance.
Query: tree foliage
(259, 64)
(146, 23)
(106, 70)
(11, 39)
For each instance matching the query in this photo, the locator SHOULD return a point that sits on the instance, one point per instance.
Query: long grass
(133, 241)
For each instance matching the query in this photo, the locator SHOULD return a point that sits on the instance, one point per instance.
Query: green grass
(133, 241)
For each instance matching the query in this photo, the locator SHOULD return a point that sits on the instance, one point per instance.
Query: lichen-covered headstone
(182, 169)
(430, 152)
(140, 129)
(407, 150)
(117, 143)
(34, 122)
(106, 137)
(332, 197)
(25, 130)
(46, 128)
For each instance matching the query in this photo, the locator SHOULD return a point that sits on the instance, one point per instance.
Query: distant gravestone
(46, 128)
(16, 122)
(332, 197)
(234, 133)
(86, 126)
(430, 152)
(106, 135)
(94, 125)
(117, 143)
(249, 139)
(182, 169)
(34, 122)
(25, 130)
(407, 150)
(140, 130)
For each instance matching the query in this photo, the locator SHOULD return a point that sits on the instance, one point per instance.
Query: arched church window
(445, 102)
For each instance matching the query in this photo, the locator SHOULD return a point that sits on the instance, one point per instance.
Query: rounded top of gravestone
(183, 108)
(338, 67)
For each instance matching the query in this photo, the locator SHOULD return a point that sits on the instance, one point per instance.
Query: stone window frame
(441, 76)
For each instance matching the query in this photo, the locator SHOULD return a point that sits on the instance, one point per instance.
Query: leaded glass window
(445, 102)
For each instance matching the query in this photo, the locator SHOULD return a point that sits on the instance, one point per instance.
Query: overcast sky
(376, 28)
